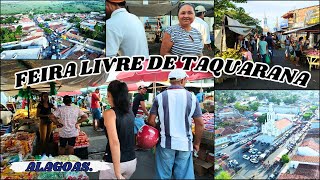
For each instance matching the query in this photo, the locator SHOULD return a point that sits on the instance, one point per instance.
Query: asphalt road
(257, 170)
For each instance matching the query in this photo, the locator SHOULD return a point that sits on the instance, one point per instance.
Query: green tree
(313, 108)
(262, 119)
(19, 30)
(307, 115)
(223, 175)
(285, 158)
(240, 107)
(254, 106)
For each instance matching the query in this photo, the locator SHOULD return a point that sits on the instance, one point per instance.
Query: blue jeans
(173, 164)
(96, 115)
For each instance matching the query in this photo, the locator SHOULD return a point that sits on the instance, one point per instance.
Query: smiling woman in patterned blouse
(182, 39)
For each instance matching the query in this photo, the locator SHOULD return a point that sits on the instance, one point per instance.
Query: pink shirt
(248, 55)
(68, 116)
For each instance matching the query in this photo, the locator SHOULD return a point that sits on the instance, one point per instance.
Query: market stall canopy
(208, 6)
(313, 28)
(69, 93)
(237, 27)
(65, 85)
(232, 28)
(162, 7)
(159, 8)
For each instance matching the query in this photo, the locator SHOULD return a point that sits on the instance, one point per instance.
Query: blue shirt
(200, 96)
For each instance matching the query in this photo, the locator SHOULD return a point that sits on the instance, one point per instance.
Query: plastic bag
(268, 60)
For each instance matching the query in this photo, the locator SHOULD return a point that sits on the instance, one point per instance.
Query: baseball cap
(177, 74)
(116, 1)
(142, 87)
(200, 9)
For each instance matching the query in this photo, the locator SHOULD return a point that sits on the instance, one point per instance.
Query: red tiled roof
(32, 38)
(311, 144)
(308, 170)
(292, 176)
(219, 131)
(240, 128)
(65, 50)
(228, 131)
(283, 123)
(93, 56)
(79, 53)
(26, 20)
(310, 159)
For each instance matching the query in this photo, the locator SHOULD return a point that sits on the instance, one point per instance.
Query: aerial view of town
(266, 134)
(52, 30)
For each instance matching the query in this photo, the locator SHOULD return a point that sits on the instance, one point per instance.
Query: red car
(253, 141)
(224, 157)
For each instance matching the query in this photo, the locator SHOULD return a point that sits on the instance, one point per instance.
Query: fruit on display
(208, 122)
(312, 52)
(23, 114)
(8, 173)
(230, 53)
(20, 142)
(81, 141)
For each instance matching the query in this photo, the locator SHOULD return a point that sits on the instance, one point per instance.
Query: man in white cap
(125, 33)
(202, 26)
(175, 108)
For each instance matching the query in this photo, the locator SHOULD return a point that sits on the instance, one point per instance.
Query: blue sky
(273, 9)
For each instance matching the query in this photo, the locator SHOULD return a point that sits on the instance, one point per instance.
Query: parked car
(246, 157)
(5, 114)
(224, 146)
(218, 154)
(254, 160)
(251, 146)
(224, 157)
(230, 143)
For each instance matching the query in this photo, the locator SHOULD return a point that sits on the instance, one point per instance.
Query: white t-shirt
(125, 34)
(203, 28)
(68, 116)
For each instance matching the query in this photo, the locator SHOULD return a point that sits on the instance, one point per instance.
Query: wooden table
(313, 60)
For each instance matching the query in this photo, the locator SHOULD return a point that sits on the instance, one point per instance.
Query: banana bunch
(22, 114)
(230, 53)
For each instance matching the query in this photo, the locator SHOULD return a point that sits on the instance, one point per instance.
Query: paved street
(278, 59)
(249, 169)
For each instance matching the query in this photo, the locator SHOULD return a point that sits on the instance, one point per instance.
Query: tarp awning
(313, 28)
(159, 9)
(65, 85)
(163, 7)
(237, 27)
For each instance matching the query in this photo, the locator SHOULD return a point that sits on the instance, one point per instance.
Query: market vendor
(44, 109)
(139, 108)
(182, 39)
(68, 122)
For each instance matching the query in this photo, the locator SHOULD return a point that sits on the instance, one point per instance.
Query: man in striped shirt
(176, 107)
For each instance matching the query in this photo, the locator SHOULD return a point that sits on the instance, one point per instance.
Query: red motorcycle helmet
(147, 137)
